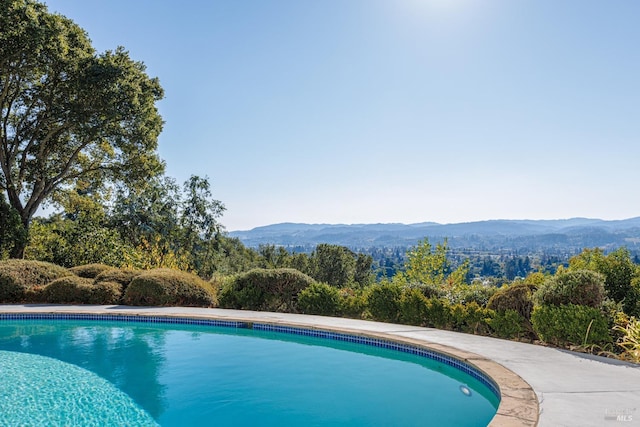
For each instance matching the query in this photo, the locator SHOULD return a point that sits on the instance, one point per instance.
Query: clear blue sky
(367, 111)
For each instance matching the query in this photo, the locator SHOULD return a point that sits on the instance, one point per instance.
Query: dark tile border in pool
(125, 318)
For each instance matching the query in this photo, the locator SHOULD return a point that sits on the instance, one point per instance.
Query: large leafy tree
(68, 113)
(427, 266)
(339, 266)
(173, 224)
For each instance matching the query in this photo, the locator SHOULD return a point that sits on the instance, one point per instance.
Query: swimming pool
(197, 372)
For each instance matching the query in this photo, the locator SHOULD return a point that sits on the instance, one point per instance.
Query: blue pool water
(79, 372)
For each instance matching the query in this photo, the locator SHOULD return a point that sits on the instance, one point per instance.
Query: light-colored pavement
(572, 389)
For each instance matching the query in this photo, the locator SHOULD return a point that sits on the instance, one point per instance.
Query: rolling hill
(569, 234)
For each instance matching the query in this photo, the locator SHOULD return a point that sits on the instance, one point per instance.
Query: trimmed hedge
(106, 293)
(165, 287)
(579, 287)
(123, 276)
(90, 271)
(570, 324)
(352, 302)
(507, 324)
(18, 277)
(383, 302)
(320, 298)
(265, 290)
(68, 290)
(81, 290)
(413, 307)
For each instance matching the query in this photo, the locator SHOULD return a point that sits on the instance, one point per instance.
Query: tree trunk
(18, 250)
(21, 239)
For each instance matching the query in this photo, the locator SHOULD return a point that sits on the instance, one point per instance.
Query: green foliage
(470, 318)
(353, 302)
(570, 324)
(69, 114)
(79, 236)
(319, 298)
(173, 229)
(631, 302)
(165, 287)
(340, 267)
(17, 277)
(630, 339)
(439, 313)
(68, 290)
(619, 275)
(427, 266)
(516, 297)
(507, 324)
(147, 227)
(429, 291)
(413, 306)
(12, 232)
(106, 293)
(122, 276)
(477, 293)
(272, 256)
(90, 271)
(333, 264)
(300, 262)
(265, 290)
(232, 256)
(580, 287)
(383, 301)
(218, 281)
(199, 216)
(363, 274)
(80, 290)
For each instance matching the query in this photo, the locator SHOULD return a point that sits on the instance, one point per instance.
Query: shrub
(570, 324)
(630, 339)
(34, 295)
(18, 276)
(507, 324)
(413, 307)
(105, 293)
(429, 290)
(219, 281)
(352, 302)
(439, 313)
(470, 318)
(90, 271)
(68, 290)
(265, 290)
(465, 294)
(164, 287)
(631, 302)
(383, 302)
(123, 276)
(517, 297)
(319, 298)
(578, 287)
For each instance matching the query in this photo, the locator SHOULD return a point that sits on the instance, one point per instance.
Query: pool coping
(518, 401)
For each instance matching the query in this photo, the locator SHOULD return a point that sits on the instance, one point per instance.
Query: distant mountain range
(562, 234)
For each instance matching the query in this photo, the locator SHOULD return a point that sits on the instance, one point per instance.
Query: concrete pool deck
(543, 385)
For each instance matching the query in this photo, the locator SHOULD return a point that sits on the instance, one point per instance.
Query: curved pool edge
(518, 401)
